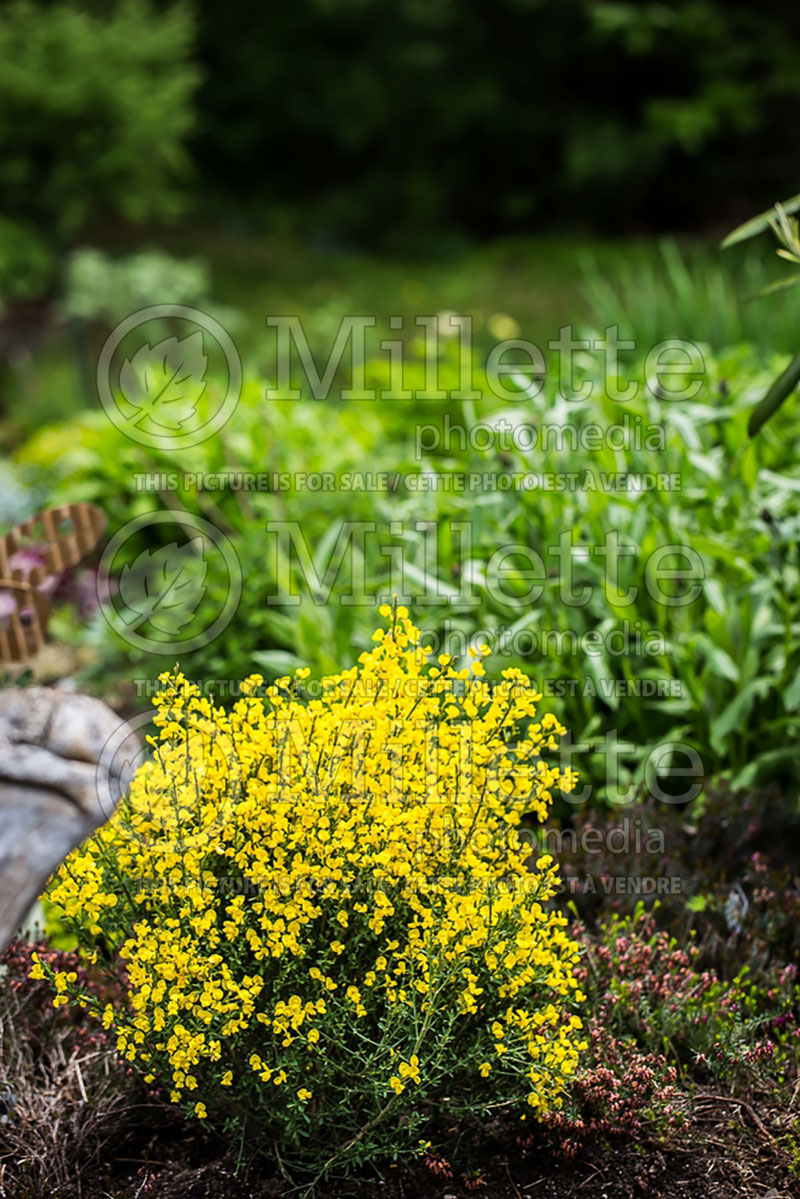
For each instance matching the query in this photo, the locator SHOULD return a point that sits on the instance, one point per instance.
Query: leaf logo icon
(164, 382)
(165, 586)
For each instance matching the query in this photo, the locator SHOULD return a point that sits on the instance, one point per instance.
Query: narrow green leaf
(758, 224)
(772, 288)
(781, 389)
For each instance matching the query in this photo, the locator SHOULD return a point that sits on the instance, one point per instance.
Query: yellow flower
(410, 1069)
(387, 804)
(200, 1111)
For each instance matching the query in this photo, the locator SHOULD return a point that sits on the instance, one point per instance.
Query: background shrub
(95, 106)
(493, 118)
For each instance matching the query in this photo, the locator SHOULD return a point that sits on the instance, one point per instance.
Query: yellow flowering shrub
(329, 921)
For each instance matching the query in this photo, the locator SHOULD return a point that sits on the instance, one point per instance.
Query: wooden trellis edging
(62, 537)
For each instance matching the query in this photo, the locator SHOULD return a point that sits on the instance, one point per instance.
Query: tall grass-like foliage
(331, 923)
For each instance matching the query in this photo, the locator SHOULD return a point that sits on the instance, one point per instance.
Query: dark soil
(729, 1150)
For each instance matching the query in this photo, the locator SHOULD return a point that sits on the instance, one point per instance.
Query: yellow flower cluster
(325, 906)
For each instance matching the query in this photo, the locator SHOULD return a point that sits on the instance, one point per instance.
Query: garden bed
(729, 1149)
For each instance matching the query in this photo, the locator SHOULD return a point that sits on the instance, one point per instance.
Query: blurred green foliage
(389, 121)
(98, 287)
(690, 291)
(734, 652)
(651, 289)
(362, 120)
(95, 106)
(381, 119)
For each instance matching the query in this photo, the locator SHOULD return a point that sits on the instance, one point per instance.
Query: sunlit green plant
(786, 229)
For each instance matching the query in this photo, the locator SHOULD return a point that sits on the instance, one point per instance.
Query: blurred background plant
(95, 104)
(98, 287)
(478, 119)
(496, 118)
(455, 192)
(724, 671)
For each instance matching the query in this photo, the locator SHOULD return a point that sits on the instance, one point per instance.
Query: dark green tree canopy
(95, 105)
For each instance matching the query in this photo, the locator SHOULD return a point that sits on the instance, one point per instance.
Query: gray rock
(60, 778)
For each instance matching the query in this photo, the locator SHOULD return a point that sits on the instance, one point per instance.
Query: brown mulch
(730, 1149)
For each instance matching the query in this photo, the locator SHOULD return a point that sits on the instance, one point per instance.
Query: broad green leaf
(603, 678)
(431, 584)
(791, 696)
(784, 482)
(714, 596)
(277, 662)
(735, 714)
(714, 548)
(720, 662)
(748, 775)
